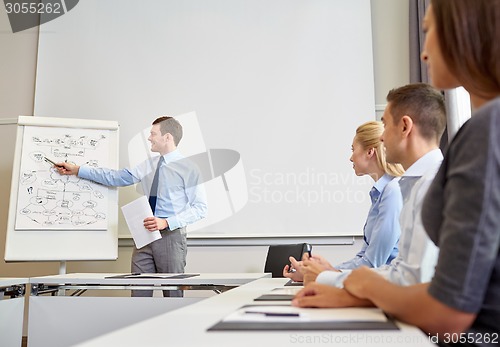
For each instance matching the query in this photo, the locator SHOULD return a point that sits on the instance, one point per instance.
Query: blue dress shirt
(382, 228)
(417, 257)
(181, 198)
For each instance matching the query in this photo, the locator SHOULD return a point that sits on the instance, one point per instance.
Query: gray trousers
(166, 255)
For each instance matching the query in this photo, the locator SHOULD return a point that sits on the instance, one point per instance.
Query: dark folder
(222, 325)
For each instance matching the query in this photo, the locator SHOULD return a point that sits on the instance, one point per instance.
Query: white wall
(232, 64)
(391, 54)
(17, 74)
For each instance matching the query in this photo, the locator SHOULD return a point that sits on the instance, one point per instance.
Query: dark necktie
(154, 187)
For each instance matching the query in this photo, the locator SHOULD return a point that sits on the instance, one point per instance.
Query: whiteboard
(279, 86)
(54, 217)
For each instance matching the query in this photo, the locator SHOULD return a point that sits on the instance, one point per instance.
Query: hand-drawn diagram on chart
(49, 201)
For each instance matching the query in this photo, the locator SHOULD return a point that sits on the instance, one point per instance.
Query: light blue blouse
(382, 228)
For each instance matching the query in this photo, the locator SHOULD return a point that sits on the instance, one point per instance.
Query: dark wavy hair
(468, 32)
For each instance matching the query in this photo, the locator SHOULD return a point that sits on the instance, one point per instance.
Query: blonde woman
(381, 231)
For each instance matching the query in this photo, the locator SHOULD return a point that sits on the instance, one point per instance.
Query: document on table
(286, 317)
(285, 291)
(271, 313)
(135, 212)
(279, 294)
(155, 275)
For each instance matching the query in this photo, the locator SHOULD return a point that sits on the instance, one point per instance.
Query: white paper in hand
(135, 212)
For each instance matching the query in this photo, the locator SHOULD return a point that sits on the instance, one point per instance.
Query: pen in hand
(309, 250)
(51, 162)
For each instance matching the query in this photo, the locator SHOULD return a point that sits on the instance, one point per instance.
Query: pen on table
(274, 314)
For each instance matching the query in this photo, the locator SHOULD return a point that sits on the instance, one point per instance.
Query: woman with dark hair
(461, 212)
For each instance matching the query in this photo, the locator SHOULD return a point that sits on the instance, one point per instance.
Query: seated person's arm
(320, 295)
(410, 304)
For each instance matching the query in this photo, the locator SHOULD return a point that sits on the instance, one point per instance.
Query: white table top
(229, 279)
(11, 281)
(188, 327)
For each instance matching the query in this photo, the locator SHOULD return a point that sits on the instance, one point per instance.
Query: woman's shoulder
(484, 122)
(392, 188)
(489, 112)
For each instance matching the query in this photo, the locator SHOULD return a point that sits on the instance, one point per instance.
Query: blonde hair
(368, 136)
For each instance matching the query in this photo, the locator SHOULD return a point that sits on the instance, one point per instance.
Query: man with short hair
(414, 121)
(175, 195)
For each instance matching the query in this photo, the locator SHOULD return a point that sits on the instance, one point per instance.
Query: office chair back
(277, 257)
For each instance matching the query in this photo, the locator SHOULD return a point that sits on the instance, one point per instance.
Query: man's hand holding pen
(65, 168)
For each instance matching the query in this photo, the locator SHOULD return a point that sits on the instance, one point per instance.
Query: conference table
(81, 282)
(189, 326)
(12, 292)
(69, 308)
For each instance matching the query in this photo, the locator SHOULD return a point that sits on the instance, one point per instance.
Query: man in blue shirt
(414, 120)
(176, 198)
